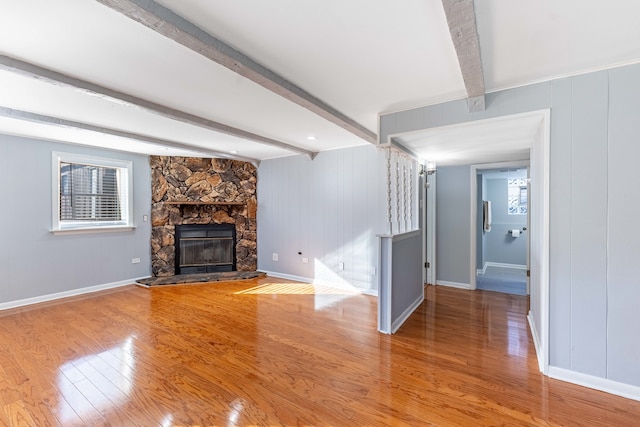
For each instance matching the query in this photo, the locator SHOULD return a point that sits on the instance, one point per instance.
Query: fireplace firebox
(205, 248)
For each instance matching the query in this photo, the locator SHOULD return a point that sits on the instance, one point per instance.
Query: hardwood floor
(269, 352)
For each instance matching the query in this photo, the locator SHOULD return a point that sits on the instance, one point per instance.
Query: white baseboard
(66, 294)
(536, 341)
(504, 265)
(288, 276)
(597, 383)
(405, 314)
(453, 284)
(372, 292)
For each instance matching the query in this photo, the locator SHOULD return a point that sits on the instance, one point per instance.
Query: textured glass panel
(517, 196)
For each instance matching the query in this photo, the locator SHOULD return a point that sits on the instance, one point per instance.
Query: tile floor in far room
(503, 279)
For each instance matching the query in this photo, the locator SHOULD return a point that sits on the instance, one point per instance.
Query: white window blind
(91, 193)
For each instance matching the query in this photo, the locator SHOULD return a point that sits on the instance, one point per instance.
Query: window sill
(92, 230)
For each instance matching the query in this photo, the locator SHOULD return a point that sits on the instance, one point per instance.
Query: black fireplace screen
(205, 248)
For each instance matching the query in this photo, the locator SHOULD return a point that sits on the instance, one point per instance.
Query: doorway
(501, 138)
(502, 237)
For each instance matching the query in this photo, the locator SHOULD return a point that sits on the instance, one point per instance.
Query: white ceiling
(484, 141)
(361, 57)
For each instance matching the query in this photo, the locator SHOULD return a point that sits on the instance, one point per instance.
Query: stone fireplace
(195, 191)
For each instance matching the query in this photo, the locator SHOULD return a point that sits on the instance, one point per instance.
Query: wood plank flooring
(269, 352)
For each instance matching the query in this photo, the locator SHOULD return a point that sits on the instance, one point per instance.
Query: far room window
(91, 193)
(517, 196)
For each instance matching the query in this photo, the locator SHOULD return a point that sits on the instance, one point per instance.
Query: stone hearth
(201, 278)
(188, 190)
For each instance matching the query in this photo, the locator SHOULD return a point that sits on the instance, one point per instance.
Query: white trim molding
(536, 340)
(596, 383)
(504, 265)
(66, 294)
(453, 284)
(124, 170)
(91, 230)
(395, 325)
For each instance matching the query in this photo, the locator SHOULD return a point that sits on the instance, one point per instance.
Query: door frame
(429, 233)
(520, 164)
(538, 230)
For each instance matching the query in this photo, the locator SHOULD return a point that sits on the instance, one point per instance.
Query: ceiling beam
(164, 21)
(461, 18)
(30, 117)
(30, 70)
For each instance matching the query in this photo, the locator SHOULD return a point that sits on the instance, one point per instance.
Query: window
(91, 193)
(517, 196)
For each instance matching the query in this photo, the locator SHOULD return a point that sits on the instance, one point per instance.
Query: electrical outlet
(274, 257)
(135, 260)
(145, 218)
(341, 266)
(373, 271)
(305, 260)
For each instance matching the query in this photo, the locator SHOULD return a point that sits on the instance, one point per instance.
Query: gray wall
(407, 286)
(33, 261)
(330, 209)
(453, 224)
(594, 241)
(623, 233)
(500, 246)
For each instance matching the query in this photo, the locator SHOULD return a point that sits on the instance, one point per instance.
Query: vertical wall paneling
(266, 234)
(401, 287)
(453, 224)
(623, 284)
(532, 97)
(408, 289)
(297, 232)
(593, 210)
(6, 278)
(347, 231)
(328, 209)
(589, 223)
(318, 192)
(560, 226)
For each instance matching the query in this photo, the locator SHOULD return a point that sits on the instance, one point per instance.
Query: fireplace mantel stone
(187, 190)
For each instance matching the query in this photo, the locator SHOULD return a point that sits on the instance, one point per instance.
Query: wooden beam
(69, 124)
(164, 21)
(461, 18)
(43, 74)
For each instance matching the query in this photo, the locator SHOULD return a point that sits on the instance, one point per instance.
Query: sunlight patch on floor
(296, 289)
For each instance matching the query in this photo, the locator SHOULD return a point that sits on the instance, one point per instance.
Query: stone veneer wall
(202, 180)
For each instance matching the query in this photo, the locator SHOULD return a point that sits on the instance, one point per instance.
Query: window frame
(125, 179)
